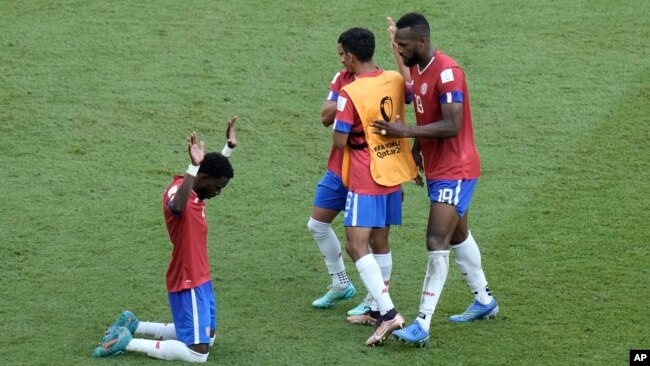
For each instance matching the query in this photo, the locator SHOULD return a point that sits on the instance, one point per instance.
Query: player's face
(210, 187)
(343, 57)
(408, 46)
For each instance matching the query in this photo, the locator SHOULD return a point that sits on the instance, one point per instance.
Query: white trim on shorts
(195, 318)
(355, 214)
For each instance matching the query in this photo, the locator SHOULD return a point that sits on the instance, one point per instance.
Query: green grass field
(96, 99)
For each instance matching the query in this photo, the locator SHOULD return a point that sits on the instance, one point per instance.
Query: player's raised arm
(231, 139)
(196, 151)
(403, 69)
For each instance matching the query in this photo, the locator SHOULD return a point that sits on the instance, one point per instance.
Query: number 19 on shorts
(446, 195)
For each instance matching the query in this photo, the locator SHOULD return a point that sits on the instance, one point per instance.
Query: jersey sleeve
(451, 86)
(408, 92)
(345, 113)
(169, 197)
(335, 88)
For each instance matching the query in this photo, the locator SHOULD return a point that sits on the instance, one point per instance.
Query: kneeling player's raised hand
(231, 139)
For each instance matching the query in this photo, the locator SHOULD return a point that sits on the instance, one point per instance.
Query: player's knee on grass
(200, 348)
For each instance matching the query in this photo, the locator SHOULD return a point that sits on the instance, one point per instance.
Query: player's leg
(213, 314)
(191, 311)
(382, 254)
(443, 219)
(379, 236)
(116, 340)
(329, 200)
(362, 213)
(468, 260)
(367, 312)
(120, 334)
(160, 331)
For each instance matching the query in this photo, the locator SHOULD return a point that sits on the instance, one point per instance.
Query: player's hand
(231, 139)
(418, 180)
(388, 129)
(196, 150)
(391, 31)
(417, 157)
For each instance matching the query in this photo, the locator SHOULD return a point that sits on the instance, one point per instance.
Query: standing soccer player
(377, 167)
(191, 296)
(445, 139)
(329, 200)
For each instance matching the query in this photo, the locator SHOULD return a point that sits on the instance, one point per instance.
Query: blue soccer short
(457, 193)
(373, 211)
(195, 313)
(330, 192)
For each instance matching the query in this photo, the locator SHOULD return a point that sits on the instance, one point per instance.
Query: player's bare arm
(231, 139)
(448, 126)
(328, 113)
(403, 69)
(339, 139)
(196, 152)
(417, 157)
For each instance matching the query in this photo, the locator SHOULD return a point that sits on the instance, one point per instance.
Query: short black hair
(359, 42)
(216, 165)
(417, 22)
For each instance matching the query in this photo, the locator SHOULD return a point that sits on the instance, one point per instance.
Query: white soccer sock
(385, 263)
(171, 350)
(371, 276)
(468, 259)
(160, 331)
(340, 280)
(330, 248)
(372, 303)
(434, 281)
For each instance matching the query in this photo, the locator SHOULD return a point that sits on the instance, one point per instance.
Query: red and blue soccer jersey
(442, 82)
(188, 231)
(341, 79)
(348, 121)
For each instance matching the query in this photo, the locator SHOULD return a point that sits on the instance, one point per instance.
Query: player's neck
(364, 68)
(426, 60)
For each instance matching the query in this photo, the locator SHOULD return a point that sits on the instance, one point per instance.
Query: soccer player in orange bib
(377, 166)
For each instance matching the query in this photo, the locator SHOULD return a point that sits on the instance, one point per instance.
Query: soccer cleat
(413, 334)
(333, 296)
(127, 319)
(360, 309)
(364, 319)
(114, 342)
(477, 311)
(384, 329)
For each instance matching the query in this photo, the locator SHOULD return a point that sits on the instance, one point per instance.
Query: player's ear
(422, 40)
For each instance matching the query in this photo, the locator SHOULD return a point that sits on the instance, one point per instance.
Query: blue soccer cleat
(127, 319)
(477, 311)
(334, 295)
(114, 342)
(413, 334)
